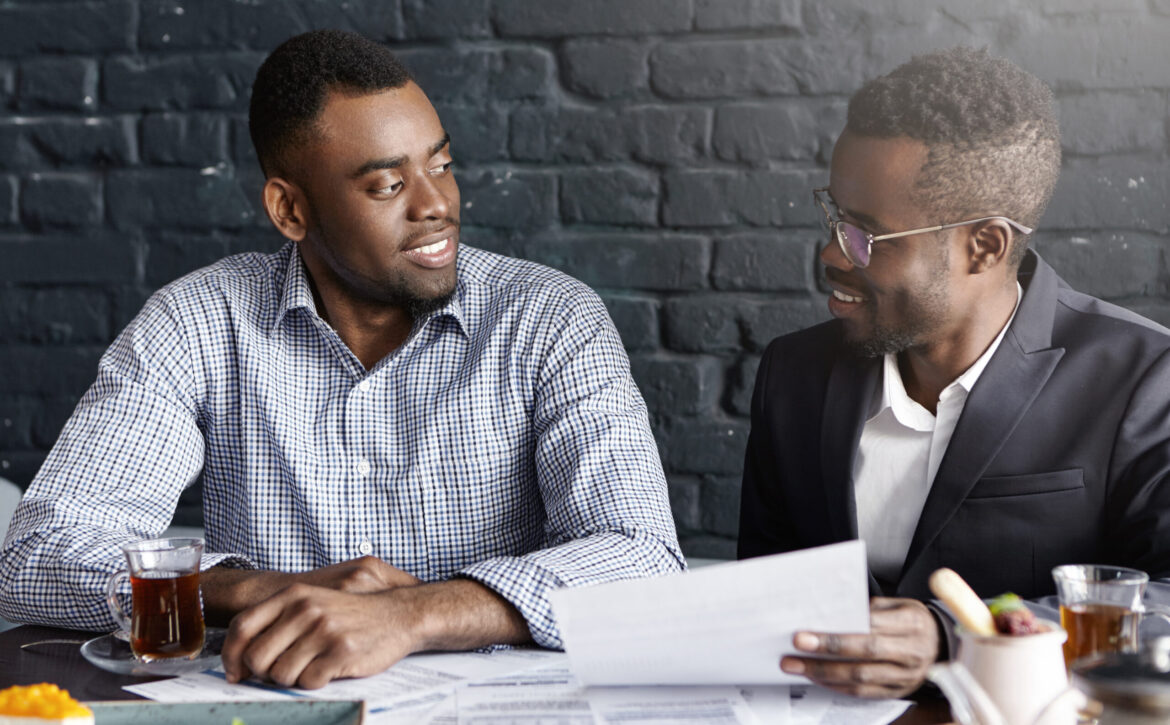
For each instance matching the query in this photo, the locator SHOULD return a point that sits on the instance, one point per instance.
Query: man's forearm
(226, 591)
(462, 614)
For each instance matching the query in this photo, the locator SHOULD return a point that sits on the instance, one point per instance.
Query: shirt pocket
(1028, 484)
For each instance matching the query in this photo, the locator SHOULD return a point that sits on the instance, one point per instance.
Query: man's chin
(420, 307)
(877, 344)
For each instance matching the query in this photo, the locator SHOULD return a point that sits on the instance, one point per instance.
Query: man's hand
(367, 574)
(307, 635)
(229, 591)
(890, 661)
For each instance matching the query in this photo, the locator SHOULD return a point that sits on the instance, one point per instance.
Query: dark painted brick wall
(660, 150)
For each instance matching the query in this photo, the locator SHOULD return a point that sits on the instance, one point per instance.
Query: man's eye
(388, 189)
(440, 170)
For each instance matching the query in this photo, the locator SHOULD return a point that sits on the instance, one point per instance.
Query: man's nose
(429, 201)
(832, 256)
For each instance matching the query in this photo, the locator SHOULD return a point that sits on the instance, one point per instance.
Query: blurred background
(662, 151)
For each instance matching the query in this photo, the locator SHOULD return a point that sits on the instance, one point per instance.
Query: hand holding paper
(725, 624)
(891, 661)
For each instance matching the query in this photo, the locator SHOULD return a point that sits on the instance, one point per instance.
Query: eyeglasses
(856, 243)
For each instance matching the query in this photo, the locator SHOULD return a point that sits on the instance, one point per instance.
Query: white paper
(711, 705)
(818, 706)
(535, 697)
(769, 703)
(415, 685)
(724, 624)
(552, 696)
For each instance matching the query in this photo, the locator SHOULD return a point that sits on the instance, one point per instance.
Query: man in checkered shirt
(405, 445)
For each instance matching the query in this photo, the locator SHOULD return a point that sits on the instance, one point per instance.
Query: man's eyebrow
(393, 162)
(440, 144)
(871, 225)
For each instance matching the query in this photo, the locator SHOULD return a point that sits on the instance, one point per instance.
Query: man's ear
(989, 245)
(286, 207)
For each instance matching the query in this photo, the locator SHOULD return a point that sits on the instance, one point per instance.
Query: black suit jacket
(1061, 455)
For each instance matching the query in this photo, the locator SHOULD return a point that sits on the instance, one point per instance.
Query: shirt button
(363, 467)
(364, 386)
(365, 547)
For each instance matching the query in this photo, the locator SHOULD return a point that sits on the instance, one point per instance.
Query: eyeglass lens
(854, 242)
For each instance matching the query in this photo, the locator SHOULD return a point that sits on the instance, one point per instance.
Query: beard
(420, 295)
(911, 319)
(418, 304)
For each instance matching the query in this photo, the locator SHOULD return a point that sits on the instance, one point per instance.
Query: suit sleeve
(764, 526)
(1138, 507)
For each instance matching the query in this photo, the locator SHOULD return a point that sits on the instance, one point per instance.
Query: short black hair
(990, 129)
(293, 82)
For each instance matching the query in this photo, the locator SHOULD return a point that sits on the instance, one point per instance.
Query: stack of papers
(544, 692)
(702, 647)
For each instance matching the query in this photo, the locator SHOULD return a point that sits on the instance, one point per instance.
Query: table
(59, 663)
(63, 664)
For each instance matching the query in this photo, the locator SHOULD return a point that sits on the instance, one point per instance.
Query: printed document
(727, 624)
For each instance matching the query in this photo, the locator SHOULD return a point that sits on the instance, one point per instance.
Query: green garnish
(1003, 603)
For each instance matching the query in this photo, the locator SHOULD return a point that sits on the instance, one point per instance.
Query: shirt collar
(906, 410)
(296, 292)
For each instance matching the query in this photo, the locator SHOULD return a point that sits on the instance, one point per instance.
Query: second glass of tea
(1101, 608)
(166, 614)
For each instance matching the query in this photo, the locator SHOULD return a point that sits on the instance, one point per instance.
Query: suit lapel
(851, 388)
(1011, 381)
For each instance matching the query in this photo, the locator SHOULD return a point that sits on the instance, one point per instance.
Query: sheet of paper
(769, 703)
(533, 697)
(710, 705)
(818, 706)
(417, 683)
(552, 696)
(724, 624)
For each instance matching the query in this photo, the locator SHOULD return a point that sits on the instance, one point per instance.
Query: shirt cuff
(525, 585)
(228, 561)
(948, 641)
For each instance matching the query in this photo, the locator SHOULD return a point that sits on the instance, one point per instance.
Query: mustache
(843, 279)
(430, 228)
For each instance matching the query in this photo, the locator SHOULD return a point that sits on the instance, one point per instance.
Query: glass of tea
(1101, 608)
(166, 614)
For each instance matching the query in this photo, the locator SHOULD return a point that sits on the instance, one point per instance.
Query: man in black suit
(966, 408)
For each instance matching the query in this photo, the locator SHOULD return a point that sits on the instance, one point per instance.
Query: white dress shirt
(901, 448)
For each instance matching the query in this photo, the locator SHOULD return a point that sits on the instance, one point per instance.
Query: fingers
(257, 636)
(860, 679)
(889, 661)
(309, 635)
(283, 640)
(899, 650)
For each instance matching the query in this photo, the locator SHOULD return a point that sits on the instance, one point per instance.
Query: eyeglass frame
(871, 238)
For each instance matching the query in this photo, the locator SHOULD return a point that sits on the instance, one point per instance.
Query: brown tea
(1094, 628)
(166, 618)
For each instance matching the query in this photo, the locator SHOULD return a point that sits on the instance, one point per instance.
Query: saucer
(112, 653)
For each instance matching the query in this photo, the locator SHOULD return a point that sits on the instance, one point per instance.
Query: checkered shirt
(504, 441)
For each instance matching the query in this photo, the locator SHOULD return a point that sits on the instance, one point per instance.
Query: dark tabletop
(62, 664)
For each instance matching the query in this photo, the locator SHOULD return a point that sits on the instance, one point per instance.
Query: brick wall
(660, 150)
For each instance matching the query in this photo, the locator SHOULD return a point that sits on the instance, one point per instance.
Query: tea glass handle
(1155, 610)
(112, 600)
